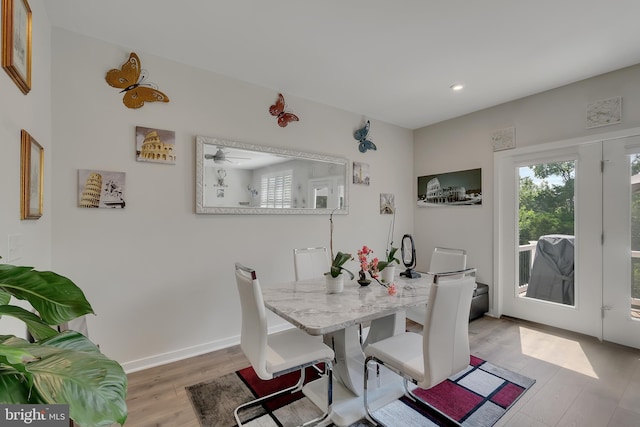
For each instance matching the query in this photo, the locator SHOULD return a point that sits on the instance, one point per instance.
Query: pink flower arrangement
(372, 267)
(365, 264)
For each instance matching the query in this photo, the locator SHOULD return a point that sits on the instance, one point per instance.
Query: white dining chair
(447, 259)
(272, 355)
(443, 348)
(442, 260)
(311, 263)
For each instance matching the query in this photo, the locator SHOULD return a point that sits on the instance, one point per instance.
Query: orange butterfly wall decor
(277, 110)
(130, 78)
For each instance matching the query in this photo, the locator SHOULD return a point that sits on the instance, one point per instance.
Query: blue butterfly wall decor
(361, 135)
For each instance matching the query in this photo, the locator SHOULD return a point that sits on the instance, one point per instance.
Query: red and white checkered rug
(476, 397)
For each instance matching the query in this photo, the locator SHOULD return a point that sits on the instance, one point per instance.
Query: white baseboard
(185, 353)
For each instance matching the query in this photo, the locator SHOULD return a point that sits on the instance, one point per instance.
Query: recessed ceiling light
(457, 86)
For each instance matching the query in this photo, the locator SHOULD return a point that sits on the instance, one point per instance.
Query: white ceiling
(390, 60)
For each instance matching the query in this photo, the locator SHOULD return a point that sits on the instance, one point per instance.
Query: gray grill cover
(552, 271)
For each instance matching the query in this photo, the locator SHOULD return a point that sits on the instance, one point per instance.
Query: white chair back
(253, 339)
(443, 260)
(310, 263)
(447, 259)
(446, 332)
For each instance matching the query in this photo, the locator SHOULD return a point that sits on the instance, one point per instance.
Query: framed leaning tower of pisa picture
(101, 189)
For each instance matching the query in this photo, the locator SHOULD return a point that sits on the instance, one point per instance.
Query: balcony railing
(527, 254)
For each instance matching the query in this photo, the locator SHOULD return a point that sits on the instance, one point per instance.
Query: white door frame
(617, 324)
(504, 259)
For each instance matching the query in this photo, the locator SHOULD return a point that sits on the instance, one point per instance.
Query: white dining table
(307, 305)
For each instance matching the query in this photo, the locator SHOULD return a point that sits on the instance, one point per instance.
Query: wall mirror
(239, 178)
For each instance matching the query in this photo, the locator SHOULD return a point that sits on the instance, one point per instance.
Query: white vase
(388, 273)
(335, 285)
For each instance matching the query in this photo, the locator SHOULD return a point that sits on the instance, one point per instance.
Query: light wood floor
(579, 380)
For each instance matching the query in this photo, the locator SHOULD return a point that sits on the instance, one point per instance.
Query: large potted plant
(57, 367)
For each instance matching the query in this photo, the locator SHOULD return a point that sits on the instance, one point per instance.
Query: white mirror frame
(200, 169)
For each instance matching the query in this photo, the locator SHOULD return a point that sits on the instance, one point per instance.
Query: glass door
(551, 230)
(621, 241)
(546, 219)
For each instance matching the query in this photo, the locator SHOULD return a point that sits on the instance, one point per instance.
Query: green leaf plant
(58, 367)
(341, 258)
(391, 258)
(337, 265)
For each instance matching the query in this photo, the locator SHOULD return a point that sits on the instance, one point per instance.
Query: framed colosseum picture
(155, 145)
(101, 189)
(450, 189)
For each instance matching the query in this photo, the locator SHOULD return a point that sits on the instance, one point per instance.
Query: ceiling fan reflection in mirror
(221, 157)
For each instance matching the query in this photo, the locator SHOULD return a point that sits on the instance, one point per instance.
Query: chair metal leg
(254, 402)
(300, 383)
(328, 366)
(318, 370)
(294, 388)
(368, 414)
(408, 393)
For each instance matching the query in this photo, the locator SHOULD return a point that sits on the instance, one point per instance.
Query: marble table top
(307, 305)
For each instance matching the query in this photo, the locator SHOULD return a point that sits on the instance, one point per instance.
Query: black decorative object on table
(362, 279)
(408, 251)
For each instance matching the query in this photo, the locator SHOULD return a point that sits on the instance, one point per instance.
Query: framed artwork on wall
(387, 203)
(361, 173)
(16, 42)
(31, 177)
(504, 139)
(155, 145)
(604, 112)
(450, 189)
(101, 189)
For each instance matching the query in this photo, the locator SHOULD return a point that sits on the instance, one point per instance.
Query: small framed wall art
(504, 139)
(361, 173)
(16, 42)
(604, 113)
(101, 189)
(31, 177)
(155, 145)
(387, 203)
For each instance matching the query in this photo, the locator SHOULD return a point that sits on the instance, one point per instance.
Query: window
(276, 190)
(546, 212)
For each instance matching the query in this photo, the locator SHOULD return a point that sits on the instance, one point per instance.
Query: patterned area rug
(477, 397)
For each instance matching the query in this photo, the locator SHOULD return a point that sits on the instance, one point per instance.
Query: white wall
(159, 276)
(465, 143)
(31, 112)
